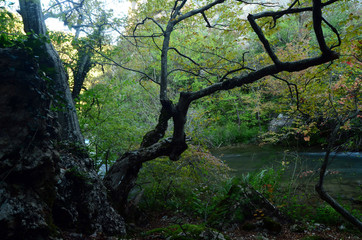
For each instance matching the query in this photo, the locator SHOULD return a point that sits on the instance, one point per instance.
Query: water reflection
(344, 176)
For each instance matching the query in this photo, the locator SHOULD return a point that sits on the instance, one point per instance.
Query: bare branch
(290, 10)
(142, 23)
(317, 26)
(335, 32)
(197, 11)
(291, 92)
(206, 20)
(176, 9)
(143, 36)
(217, 55)
(263, 39)
(234, 71)
(121, 66)
(266, 71)
(190, 72)
(265, 4)
(184, 56)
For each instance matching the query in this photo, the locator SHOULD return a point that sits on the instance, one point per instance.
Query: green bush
(199, 186)
(265, 181)
(231, 133)
(230, 206)
(327, 215)
(185, 232)
(189, 185)
(313, 238)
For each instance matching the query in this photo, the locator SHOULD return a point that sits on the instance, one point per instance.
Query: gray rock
(279, 122)
(209, 234)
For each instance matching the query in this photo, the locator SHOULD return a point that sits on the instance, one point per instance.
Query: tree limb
(319, 186)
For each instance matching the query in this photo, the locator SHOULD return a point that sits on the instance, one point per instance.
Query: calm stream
(344, 178)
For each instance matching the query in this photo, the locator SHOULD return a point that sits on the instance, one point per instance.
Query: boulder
(279, 122)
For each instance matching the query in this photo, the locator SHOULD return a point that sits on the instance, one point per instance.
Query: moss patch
(313, 238)
(184, 232)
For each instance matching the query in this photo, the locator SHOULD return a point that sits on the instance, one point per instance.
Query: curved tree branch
(123, 67)
(335, 32)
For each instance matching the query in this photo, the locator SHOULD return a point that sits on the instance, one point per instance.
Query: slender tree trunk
(320, 188)
(51, 64)
(84, 64)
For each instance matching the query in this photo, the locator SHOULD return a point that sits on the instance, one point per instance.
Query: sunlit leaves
(205, 47)
(11, 27)
(115, 113)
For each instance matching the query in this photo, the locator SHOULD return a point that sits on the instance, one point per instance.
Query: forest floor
(288, 232)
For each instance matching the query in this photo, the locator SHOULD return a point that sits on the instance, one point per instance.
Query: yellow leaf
(307, 138)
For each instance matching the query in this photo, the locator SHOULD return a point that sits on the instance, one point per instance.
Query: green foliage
(322, 213)
(230, 206)
(327, 215)
(78, 176)
(191, 185)
(321, 96)
(230, 134)
(13, 36)
(10, 27)
(236, 116)
(184, 232)
(313, 238)
(114, 115)
(265, 181)
(217, 200)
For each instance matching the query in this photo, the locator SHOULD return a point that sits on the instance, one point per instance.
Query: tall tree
(89, 21)
(51, 64)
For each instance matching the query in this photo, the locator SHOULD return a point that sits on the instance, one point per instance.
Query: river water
(344, 178)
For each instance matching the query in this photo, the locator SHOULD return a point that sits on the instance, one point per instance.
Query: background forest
(119, 100)
(114, 63)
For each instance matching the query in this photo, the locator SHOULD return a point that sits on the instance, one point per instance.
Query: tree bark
(121, 177)
(51, 64)
(84, 64)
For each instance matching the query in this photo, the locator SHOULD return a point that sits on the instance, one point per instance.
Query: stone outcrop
(279, 122)
(46, 187)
